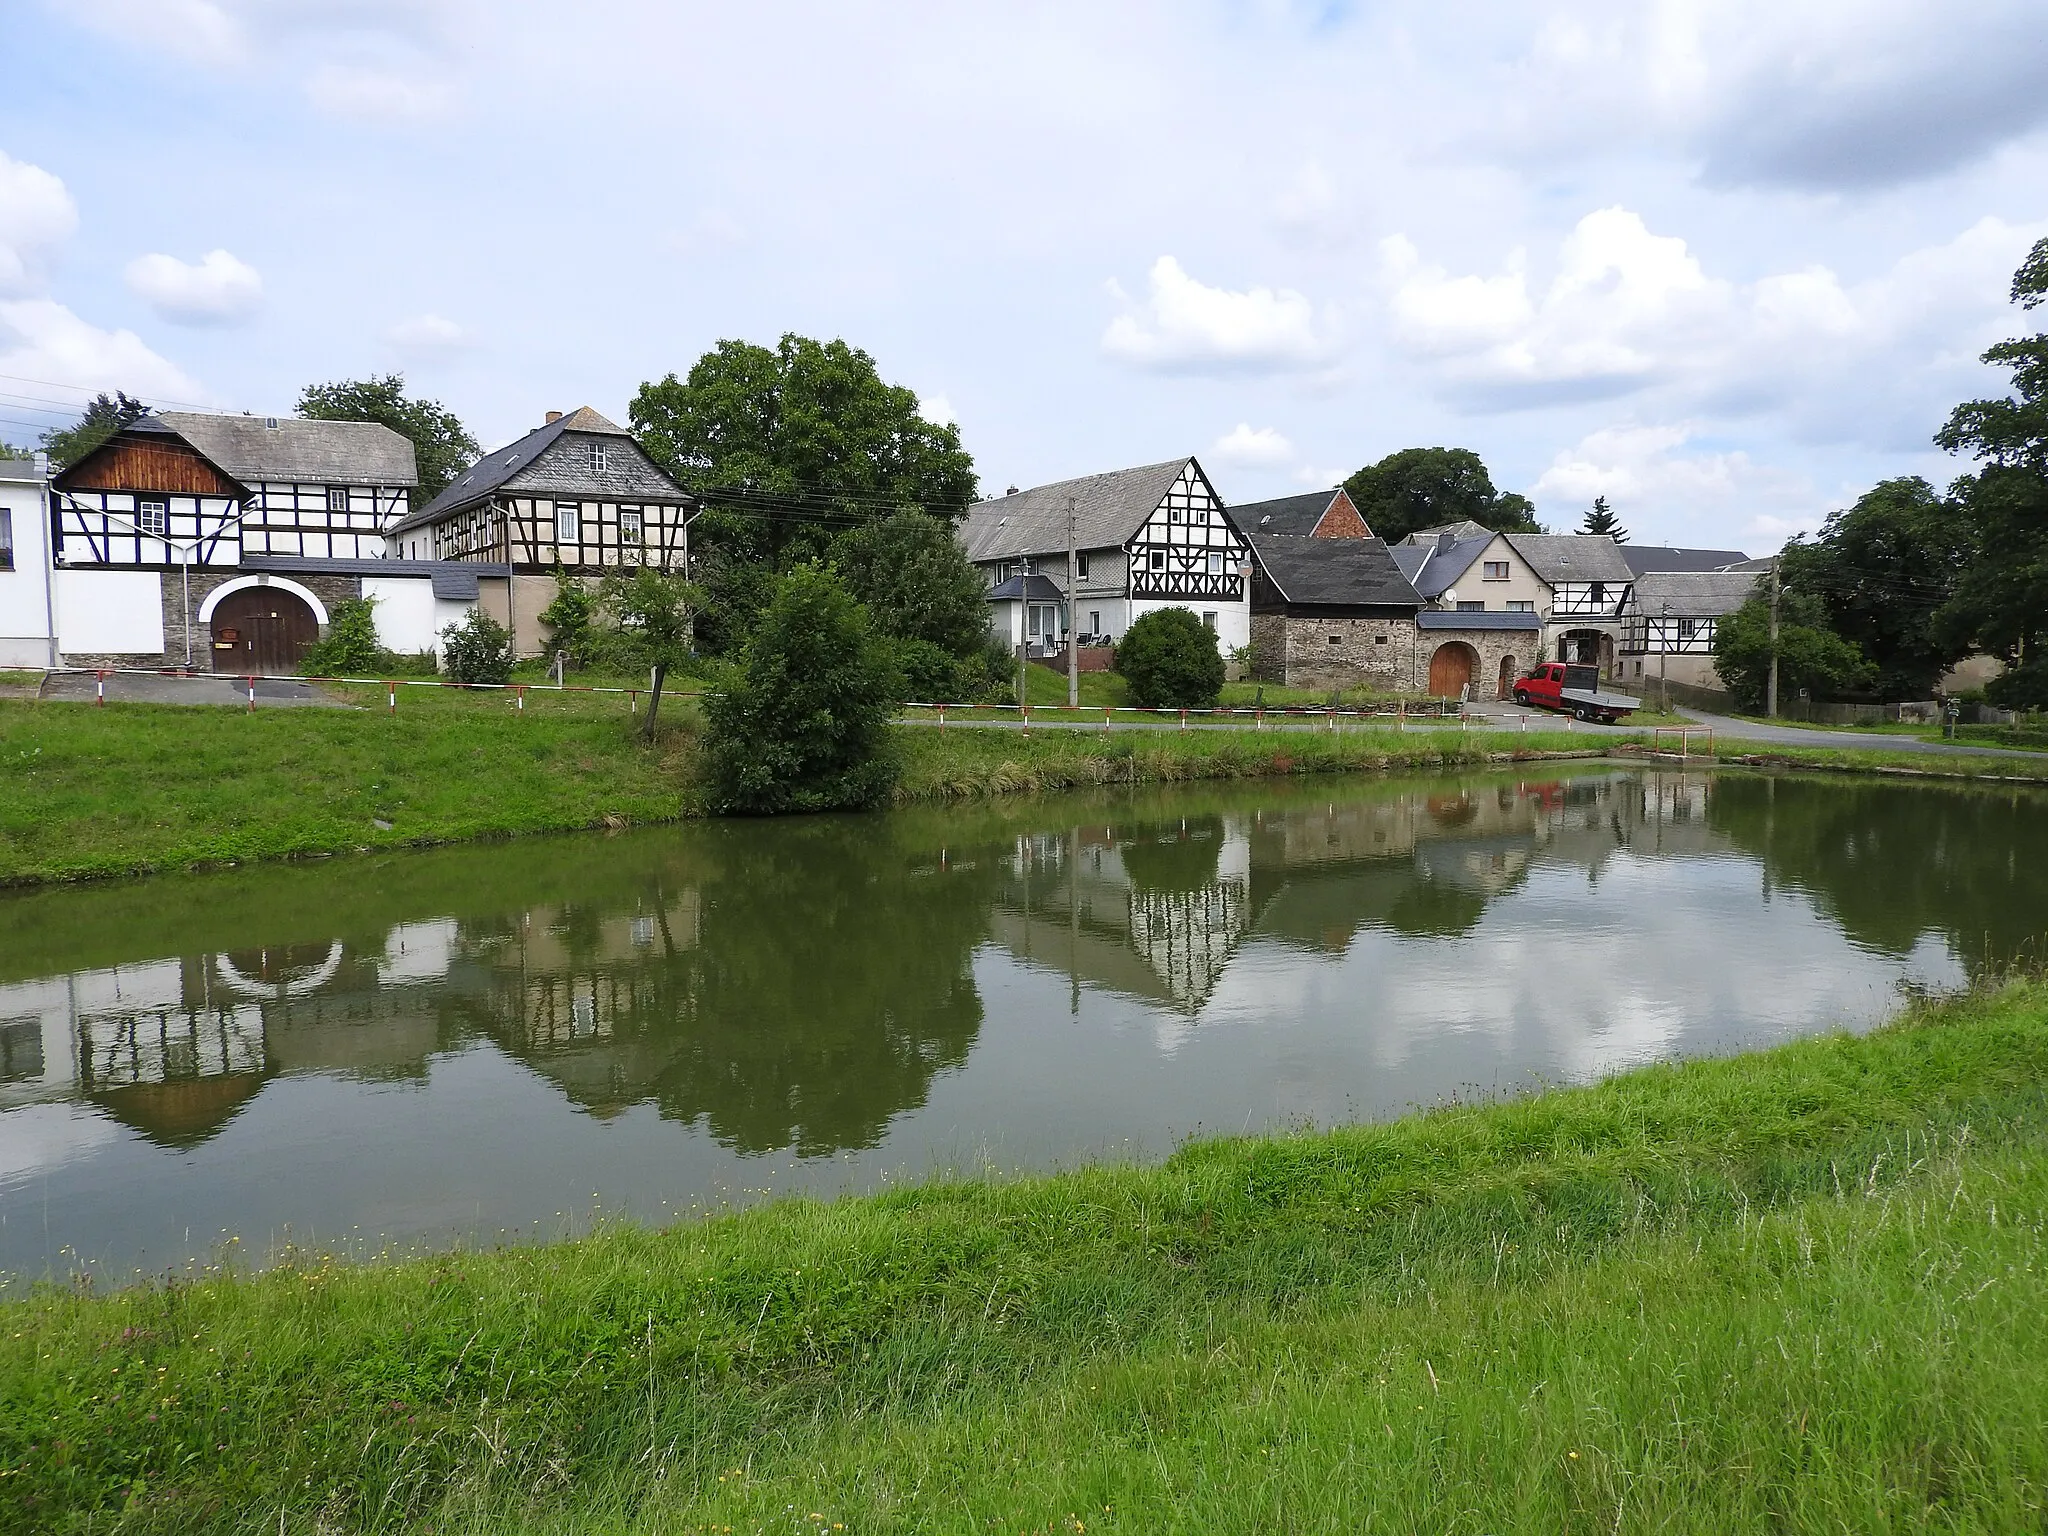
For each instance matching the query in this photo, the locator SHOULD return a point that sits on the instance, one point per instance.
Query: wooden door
(1450, 670)
(262, 631)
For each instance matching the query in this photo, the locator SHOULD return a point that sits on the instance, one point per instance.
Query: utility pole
(1024, 632)
(1073, 596)
(1664, 657)
(1771, 689)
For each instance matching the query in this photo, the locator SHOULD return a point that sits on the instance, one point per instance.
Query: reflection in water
(788, 993)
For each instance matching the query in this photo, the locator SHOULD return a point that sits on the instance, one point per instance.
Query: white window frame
(1081, 564)
(632, 527)
(6, 538)
(568, 522)
(1521, 605)
(1209, 620)
(1467, 605)
(337, 498)
(1215, 562)
(153, 519)
(600, 458)
(1158, 560)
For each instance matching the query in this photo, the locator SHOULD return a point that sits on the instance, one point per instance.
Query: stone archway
(261, 631)
(1507, 678)
(1451, 667)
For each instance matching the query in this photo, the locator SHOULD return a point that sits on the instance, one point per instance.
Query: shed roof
(1693, 594)
(1558, 558)
(1285, 515)
(1434, 619)
(1108, 509)
(1310, 572)
(250, 450)
(1643, 558)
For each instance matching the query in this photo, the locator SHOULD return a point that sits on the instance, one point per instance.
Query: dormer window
(600, 458)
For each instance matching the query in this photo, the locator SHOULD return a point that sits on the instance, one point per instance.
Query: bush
(349, 648)
(2023, 687)
(915, 581)
(569, 616)
(931, 675)
(801, 721)
(478, 650)
(1170, 660)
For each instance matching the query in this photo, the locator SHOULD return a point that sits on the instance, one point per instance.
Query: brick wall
(1342, 521)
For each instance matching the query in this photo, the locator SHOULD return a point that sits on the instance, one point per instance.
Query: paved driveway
(153, 688)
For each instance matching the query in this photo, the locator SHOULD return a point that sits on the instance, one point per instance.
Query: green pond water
(510, 1041)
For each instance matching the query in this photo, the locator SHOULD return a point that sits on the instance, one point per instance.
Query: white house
(1146, 538)
(1668, 628)
(28, 633)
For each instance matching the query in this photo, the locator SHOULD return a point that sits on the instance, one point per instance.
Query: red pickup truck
(1568, 687)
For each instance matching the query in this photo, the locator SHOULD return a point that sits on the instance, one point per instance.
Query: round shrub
(1170, 660)
(349, 648)
(478, 650)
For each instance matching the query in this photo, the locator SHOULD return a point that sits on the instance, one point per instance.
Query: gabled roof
(1558, 558)
(1692, 594)
(1032, 587)
(1287, 515)
(495, 472)
(250, 449)
(1458, 531)
(1434, 567)
(1330, 573)
(1642, 558)
(1108, 510)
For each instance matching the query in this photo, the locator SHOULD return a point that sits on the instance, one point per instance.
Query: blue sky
(1726, 263)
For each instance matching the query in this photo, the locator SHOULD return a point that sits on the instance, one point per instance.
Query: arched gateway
(1450, 669)
(262, 630)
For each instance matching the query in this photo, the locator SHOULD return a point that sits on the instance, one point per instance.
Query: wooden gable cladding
(149, 464)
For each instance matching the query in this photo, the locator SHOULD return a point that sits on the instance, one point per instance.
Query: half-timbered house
(158, 532)
(576, 492)
(1146, 538)
(1667, 631)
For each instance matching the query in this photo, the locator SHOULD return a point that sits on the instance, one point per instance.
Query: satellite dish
(1450, 594)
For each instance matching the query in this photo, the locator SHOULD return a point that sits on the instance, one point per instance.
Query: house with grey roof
(1669, 625)
(1573, 584)
(575, 493)
(1144, 539)
(220, 542)
(1327, 514)
(1645, 558)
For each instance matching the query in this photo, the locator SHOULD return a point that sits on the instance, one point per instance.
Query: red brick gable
(1341, 520)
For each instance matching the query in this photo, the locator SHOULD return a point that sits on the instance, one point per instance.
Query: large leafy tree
(442, 446)
(1419, 488)
(916, 581)
(790, 444)
(2001, 598)
(1810, 654)
(106, 415)
(1882, 569)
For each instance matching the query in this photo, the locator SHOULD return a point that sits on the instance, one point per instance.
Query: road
(1801, 736)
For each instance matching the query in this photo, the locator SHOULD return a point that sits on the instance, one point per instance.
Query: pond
(503, 1042)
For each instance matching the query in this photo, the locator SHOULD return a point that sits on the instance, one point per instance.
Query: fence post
(632, 701)
(1027, 719)
(100, 681)
(252, 695)
(1105, 718)
(1183, 719)
(942, 717)
(393, 687)
(1259, 720)
(522, 699)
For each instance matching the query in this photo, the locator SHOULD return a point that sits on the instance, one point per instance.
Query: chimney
(1444, 541)
(553, 417)
(1011, 491)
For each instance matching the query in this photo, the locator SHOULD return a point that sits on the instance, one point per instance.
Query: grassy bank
(1794, 1290)
(136, 788)
(2029, 767)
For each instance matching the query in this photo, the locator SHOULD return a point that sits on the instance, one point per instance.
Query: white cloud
(428, 336)
(200, 31)
(218, 289)
(1252, 447)
(937, 410)
(40, 339)
(36, 216)
(1666, 492)
(1185, 326)
(367, 93)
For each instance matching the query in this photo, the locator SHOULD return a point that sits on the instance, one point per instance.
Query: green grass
(2006, 763)
(1799, 1290)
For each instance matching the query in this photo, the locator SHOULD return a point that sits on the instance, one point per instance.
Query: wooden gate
(262, 630)
(1450, 669)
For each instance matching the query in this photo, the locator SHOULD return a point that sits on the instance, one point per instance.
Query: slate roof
(454, 581)
(248, 449)
(1642, 558)
(1033, 588)
(1458, 531)
(1575, 557)
(1108, 509)
(1438, 618)
(1693, 594)
(528, 465)
(1332, 573)
(1433, 568)
(1286, 515)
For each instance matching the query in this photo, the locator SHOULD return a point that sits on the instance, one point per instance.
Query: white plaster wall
(24, 596)
(405, 610)
(110, 612)
(1233, 620)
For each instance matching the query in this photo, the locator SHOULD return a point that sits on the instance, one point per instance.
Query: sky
(1725, 262)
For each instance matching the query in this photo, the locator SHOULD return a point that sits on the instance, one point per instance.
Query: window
(1599, 592)
(1094, 621)
(1173, 514)
(1379, 639)
(1521, 605)
(1686, 629)
(568, 522)
(1496, 570)
(6, 539)
(1215, 562)
(337, 498)
(1201, 515)
(629, 527)
(1471, 607)
(1209, 620)
(600, 458)
(1336, 639)
(1081, 564)
(1158, 560)
(153, 517)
